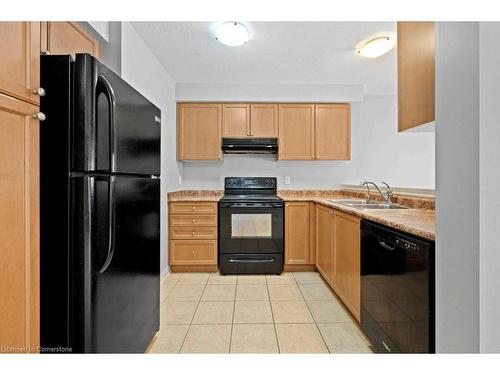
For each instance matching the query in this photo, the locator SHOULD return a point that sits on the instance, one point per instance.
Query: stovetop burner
(250, 189)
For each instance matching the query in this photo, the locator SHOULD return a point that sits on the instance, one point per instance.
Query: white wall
(142, 70)
(489, 156)
(268, 92)
(457, 187)
(102, 28)
(378, 151)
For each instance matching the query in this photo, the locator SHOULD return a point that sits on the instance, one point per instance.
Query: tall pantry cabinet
(21, 44)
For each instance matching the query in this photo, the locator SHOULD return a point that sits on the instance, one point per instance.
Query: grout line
(232, 321)
(272, 315)
(315, 323)
(191, 323)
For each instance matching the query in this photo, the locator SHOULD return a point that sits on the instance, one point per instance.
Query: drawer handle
(194, 208)
(193, 220)
(193, 233)
(192, 252)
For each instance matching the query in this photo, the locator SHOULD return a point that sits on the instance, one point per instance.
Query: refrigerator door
(115, 128)
(116, 253)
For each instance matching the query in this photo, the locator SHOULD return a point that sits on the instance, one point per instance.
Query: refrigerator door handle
(108, 90)
(111, 223)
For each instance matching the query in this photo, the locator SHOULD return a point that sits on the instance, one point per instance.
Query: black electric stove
(251, 222)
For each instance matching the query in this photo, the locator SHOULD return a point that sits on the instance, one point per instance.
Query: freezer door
(117, 261)
(115, 128)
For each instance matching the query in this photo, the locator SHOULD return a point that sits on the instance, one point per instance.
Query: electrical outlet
(287, 180)
(180, 180)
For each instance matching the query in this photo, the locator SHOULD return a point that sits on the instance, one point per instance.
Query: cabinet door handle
(194, 208)
(193, 220)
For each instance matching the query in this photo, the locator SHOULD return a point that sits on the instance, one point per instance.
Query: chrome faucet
(387, 197)
(389, 193)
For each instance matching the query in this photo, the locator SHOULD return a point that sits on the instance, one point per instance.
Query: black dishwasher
(397, 290)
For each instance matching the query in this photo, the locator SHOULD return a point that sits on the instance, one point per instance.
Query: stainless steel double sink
(367, 205)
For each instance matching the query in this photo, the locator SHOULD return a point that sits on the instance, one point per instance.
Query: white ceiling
(278, 52)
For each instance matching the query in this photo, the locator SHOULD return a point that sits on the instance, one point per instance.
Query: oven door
(250, 228)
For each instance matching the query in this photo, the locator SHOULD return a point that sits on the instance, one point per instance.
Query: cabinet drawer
(193, 207)
(187, 252)
(203, 220)
(190, 232)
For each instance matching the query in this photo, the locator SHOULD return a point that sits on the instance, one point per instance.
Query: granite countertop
(414, 220)
(195, 195)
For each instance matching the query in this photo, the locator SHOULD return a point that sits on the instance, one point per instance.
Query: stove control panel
(268, 183)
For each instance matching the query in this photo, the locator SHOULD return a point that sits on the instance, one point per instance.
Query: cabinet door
(20, 59)
(324, 242)
(333, 131)
(347, 272)
(199, 129)
(69, 38)
(235, 120)
(296, 131)
(297, 232)
(416, 70)
(264, 120)
(19, 224)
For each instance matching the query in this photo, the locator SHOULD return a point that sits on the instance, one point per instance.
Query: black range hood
(250, 145)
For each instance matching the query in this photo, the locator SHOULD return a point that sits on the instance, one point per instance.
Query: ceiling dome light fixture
(376, 47)
(232, 34)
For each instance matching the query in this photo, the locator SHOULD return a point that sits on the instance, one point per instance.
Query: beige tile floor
(290, 313)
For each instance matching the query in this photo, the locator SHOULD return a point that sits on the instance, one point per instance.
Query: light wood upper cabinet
(20, 59)
(264, 120)
(333, 131)
(304, 131)
(347, 271)
(68, 38)
(19, 224)
(325, 242)
(296, 131)
(297, 233)
(199, 131)
(250, 120)
(236, 120)
(416, 71)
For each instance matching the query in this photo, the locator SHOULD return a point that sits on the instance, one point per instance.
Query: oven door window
(251, 226)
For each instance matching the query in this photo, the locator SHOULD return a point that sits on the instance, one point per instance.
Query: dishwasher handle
(384, 244)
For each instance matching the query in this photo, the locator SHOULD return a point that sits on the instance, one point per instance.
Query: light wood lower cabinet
(19, 225)
(193, 252)
(346, 261)
(193, 236)
(297, 233)
(338, 254)
(325, 242)
(193, 208)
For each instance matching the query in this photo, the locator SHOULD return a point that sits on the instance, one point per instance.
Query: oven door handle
(266, 260)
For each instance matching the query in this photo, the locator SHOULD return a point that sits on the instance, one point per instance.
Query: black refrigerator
(99, 210)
